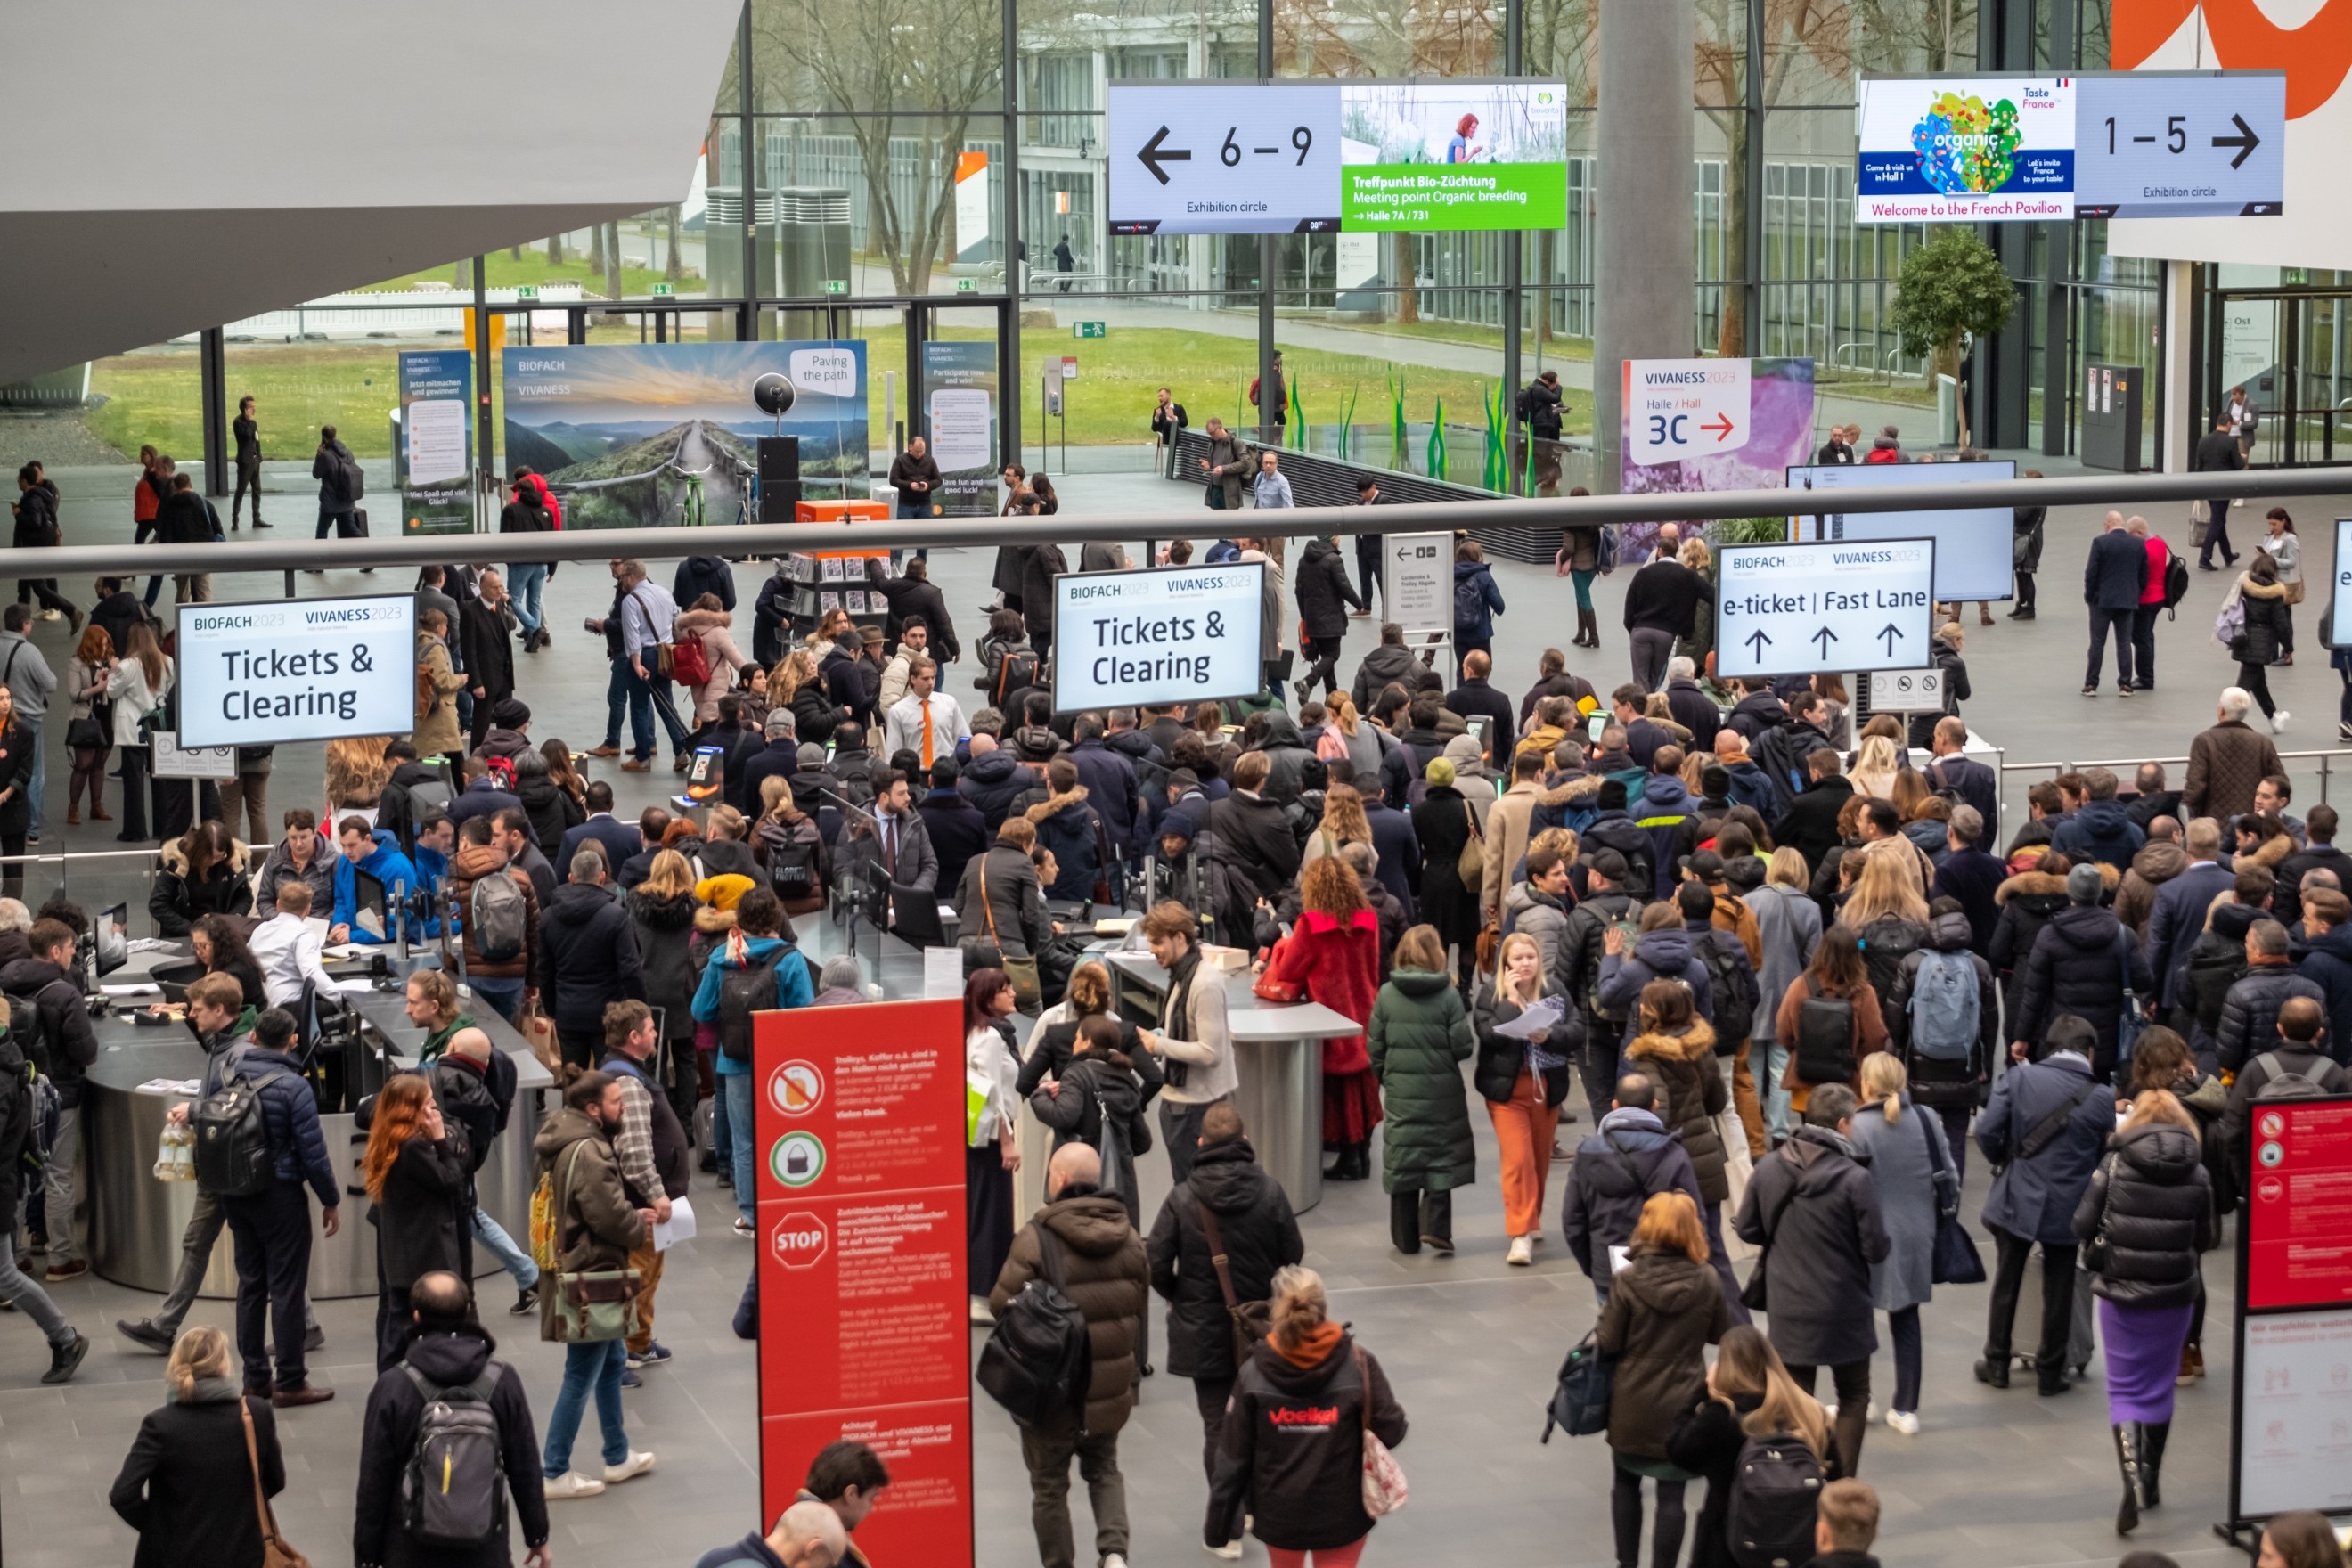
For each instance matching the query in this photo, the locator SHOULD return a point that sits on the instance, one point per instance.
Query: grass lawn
(152, 395)
(505, 271)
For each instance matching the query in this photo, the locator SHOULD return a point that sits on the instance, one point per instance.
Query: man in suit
(2218, 453)
(2113, 578)
(2179, 917)
(1970, 781)
(619, 839)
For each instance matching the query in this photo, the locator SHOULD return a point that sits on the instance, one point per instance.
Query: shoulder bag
(664, 652)
(1955, 1260)
(275, 1551)
(1753, 1295)
(1384, 1487)
(1028, 991)
(1471, 864)
(593, 1304)
(1252, 1320)
(1580, 1398)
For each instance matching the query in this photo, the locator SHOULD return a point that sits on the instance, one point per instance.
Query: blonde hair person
(1887, 887)
(1749, 1393)
(1523, 1083)
(794, 671)
(1343, 823)
(1562, 839)
(1875, 763)
(1662, 1310)
(187, 1485)
(1916, 1178)
(1342, 711)
(356, 773)
(1308, 1371)
(670, 878)
(1786, 868)
(1693, 770)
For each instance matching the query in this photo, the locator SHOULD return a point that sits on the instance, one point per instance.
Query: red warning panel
(860, 1117)
(2299, 1204)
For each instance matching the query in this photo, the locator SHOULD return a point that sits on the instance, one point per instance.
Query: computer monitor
(915, 917)
(368, 894)
(113, 934)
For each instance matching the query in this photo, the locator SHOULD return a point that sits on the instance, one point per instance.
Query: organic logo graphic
(1967, 147)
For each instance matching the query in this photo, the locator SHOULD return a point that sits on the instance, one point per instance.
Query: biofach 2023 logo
(1967, 147)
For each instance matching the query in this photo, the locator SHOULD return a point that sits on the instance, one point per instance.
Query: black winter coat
(1683, 1067)
(910, 598)
(1253, 830)
(552, 810)
(1041, 563)
(1663, 1312)
(1260, 1236)
(664, 930)
(489, 649)
(1617, 1169)
(2153, 1203)
(388, 1435)
(1294, 1447)
(1324, 593)
(2080, 964)
(2267, 625)
(422, 1219)
(2026, 902)
(1810, 827)
(61, 1042)
(588, 956)
(2250, 1010)
(1828, 1237)
(187, 1485)
(1494, 1072)
(1441, 823)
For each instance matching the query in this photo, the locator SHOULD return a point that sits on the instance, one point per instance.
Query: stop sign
(799, 1239)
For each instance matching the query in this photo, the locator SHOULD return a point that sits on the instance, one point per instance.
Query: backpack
(742, 991)
(2230, 626)
(20, 1146)
(453, 1492)
(1014, 672)
(233, 1156)
(2176, 583)
(1944, 1010)
(1469, 600)
(793, 870)
(497, 915)
(426, 796)
(690, 662)
(354, 476)
(1732, 985)
(1776, 1492)
(1825, 1038)
(2282, 1084)
(1523, 406)
(1038, 1359)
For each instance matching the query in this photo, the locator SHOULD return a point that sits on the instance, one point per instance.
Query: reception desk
(136, 1222)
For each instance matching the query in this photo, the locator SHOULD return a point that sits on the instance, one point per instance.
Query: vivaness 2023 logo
(1967, 146)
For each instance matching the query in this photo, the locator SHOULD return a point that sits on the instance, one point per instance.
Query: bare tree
(674, 270)
(913, 70)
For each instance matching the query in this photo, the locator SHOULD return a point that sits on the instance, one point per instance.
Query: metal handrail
(37, 858)
(2327, 758)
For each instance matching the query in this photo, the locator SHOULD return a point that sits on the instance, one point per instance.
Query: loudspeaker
(780, 477)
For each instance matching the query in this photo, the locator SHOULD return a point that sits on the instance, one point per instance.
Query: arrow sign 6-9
(1783, 609)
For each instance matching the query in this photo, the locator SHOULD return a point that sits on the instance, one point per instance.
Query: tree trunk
(514, 253)
(1408, 298)
(674, 270)
(555, 250)
(613, 260)
(596, 251)
(1731, 332)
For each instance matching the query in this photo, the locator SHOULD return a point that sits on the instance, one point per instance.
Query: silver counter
(136, 1222)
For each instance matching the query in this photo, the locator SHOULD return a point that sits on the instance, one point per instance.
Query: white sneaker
(1903, 1421)
(982, 1316)
(638, 1463)
(572, 1483)
(1230, 1552)
(743, 1227)
(1523, 1251)
(2278, 722)
(1829, 1410)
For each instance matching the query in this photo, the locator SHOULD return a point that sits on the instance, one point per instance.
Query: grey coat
(1790, 926)
(1912, 1167)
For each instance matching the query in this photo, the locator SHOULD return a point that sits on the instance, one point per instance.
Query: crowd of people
(1793, 965)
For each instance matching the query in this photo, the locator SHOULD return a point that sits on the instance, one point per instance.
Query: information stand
(863, 1331)
(2291, 1390)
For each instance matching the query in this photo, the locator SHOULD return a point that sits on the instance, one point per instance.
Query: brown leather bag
(1252, 1320)
(275, 1551)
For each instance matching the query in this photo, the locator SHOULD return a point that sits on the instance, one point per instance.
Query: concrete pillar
(2181, 402)
(1645, 271)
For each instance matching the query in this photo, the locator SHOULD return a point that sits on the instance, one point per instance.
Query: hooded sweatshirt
(1662, 954)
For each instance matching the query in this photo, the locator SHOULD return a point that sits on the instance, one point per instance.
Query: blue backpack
(1944, 1007)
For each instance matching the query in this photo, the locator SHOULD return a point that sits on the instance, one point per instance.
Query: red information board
(2299, 1204)
(861, 1235)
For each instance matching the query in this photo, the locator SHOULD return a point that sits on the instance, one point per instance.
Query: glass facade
(825, 201)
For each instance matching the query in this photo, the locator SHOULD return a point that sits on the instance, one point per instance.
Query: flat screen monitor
(1973, 557)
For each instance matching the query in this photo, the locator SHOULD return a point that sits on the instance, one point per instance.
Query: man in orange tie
(926, 722)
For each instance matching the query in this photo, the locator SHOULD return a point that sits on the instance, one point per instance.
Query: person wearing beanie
(1608, 903)
(2079, 965)
(723, 892)
(1444, 823)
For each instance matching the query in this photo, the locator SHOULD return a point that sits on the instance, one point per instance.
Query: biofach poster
(1965, 150)
(644, 435)
(436, 427)
(1712, 425)
(960, 409)
(1452, 155)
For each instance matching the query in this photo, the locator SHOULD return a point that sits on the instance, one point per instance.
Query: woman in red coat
(1333, 955)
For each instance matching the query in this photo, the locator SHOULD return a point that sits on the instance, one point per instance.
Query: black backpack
(744, 990)
(1825, 1038)
(1038, 1359)
(1731, 985)
(454, 1490)
(1015, 671)
(1776, 1494)
(793, 872)
(2176, 583)
(20, 1145)
(233, 1156)
(2281, 1084)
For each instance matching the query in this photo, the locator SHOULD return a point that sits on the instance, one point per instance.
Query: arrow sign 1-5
(1153, 154)
(2246, 141)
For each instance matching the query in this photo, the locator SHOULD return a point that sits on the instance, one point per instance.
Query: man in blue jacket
(2103, 829)
(756, 944)
(2044, 1129)
(377, 853)
(2113, 578)
(2324, 957)
(271, 1228)
(1111, 790)
(1630, 1160)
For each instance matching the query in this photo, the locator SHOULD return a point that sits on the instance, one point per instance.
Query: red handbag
(1266, 988)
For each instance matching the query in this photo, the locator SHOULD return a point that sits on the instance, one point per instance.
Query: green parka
(1418, 1039)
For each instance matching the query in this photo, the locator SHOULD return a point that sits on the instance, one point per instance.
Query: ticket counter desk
(136, 1221)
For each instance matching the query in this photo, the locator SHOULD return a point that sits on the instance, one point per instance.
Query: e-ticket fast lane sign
(1784, 609)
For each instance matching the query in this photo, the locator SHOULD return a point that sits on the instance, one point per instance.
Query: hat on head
(1440, 773)
(509, 713)
(1714, 781)
(2085, 885)
(780, 723)
(1704, 864)
(1612, 795)
(873, 635)
(1607, 863)
(810, 755)
(1177, 825)
(1464, 749)
(724, 891)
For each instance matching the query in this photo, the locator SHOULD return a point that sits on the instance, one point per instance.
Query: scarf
(1314, 1350)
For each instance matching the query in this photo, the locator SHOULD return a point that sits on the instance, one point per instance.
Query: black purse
(1579, 1401)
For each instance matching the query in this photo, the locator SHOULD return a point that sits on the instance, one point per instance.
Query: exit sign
(526, 290)
(966, 285)
(836, 285)
(664, 291)
(1089, 328)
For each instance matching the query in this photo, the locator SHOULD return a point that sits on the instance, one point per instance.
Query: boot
(2127, 1461)
(2152, 1436)
(1591, 619)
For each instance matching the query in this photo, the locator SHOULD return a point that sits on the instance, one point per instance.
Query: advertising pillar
(959, 410)
(437, 433)
(861, 1267)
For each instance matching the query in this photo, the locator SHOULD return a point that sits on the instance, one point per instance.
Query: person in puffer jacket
(1953, 1088)
(2082, 963)
(2102, 830)
(2250, 1008)
(1677, 1048)
(1632, 1158)
(2149, 1210)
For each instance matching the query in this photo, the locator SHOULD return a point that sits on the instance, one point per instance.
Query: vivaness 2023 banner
(642, 435)
(959, 407)
(437, 433)
(1712, 425)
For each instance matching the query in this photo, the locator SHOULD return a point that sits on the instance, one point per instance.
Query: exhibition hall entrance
(2291, 350)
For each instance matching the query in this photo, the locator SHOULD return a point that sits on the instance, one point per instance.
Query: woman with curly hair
(356, 772)
(1332, 955)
